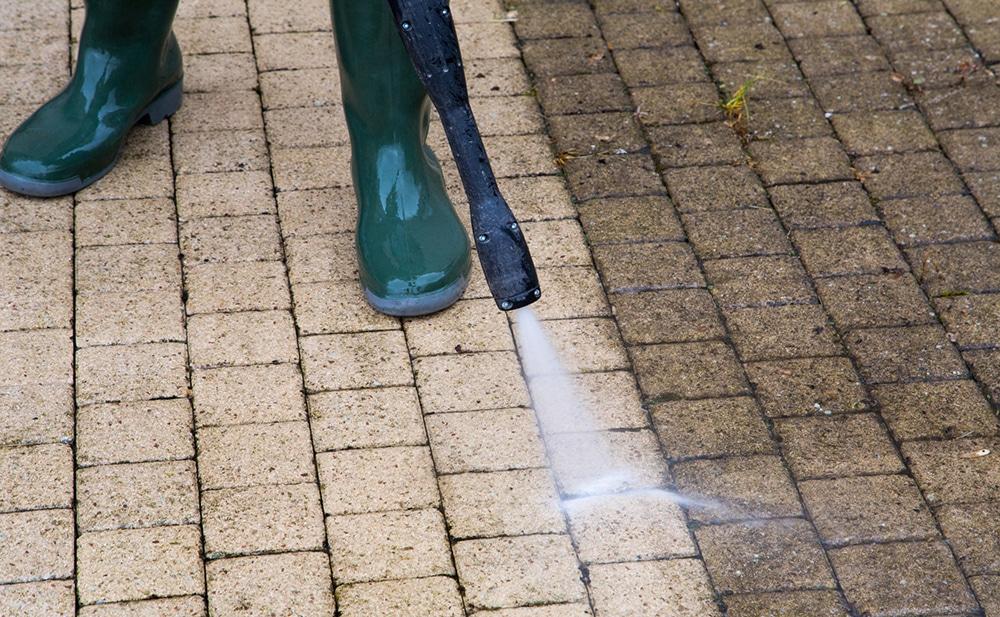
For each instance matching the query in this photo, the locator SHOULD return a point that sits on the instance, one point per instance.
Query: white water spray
(584, 449)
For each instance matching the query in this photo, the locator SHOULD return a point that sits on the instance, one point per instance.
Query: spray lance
(428, 34)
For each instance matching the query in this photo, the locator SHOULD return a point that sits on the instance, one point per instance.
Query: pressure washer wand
(429, 36)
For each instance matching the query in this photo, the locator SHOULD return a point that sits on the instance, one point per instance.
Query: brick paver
(790, 314)
(847, 246)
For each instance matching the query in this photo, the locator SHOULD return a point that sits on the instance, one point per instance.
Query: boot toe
(34, 175)
(421, 291)
(34, 163)
(425, 302)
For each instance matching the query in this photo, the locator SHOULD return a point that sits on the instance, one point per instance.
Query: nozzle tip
(520, 300)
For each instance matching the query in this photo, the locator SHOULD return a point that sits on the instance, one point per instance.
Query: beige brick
(437, 596)
(131, 372)
(485, 441)
(231, 239)
(137, 495)
(35, 304)
(248, 394)
(537, 198)
(218, 111)
(597, 401)
(583, 345)
(154, 267)
(311, 168)
(36, 357)
(358, 481)
(228, 339)
(300, 50)
(41, 599)
(134, 564)
(129, 318)
(238, 193)
(469, 382)
(35, 278)
(616, 460)
(506, 572)
(213, 36)
(370, 418)
(148, 142)
(573, 291)
(37, 545)
(35, 477)
(190, 606)
(508, 503)
(209, 8)
(133, 221)
(469, 325)
(467, 11)
(678, 587)
(134, 432)
(564, 244)
(45, 15)
(36, 414)
(477, 285)
(549, 610)
(246, 286)
(306, 127)
(49, 46)
(321, 211)
(508, 115)
(220, 72)
(268, 17)
(337, 308)
(323, 257)
(14, 115)
(288, 584)
(134, 177)
(486, 40)
(362, 360)
(300, 88)
(261, 519)
(630, 526)
(25, 214)
(199, 153)
(48, 254)
(254, 454)
(28, 84)
(388, 545)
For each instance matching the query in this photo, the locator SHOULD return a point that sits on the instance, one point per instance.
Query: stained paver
(788, 316)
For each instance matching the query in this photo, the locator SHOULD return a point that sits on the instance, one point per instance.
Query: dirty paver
(791, 313)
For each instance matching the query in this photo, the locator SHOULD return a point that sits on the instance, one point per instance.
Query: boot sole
(419, 305)
(163, 106)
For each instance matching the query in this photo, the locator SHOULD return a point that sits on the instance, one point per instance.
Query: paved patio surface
(790, 309)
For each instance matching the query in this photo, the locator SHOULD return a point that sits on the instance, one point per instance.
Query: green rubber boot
(129, 70)
(413, 253)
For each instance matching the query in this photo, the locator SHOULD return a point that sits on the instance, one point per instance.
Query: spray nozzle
(504, 256)
(428, 33)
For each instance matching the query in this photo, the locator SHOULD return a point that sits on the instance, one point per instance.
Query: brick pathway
(199, 414)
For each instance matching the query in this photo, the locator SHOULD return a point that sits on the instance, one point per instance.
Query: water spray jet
(428, 34)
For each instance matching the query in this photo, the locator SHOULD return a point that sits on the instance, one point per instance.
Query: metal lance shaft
(428, 34)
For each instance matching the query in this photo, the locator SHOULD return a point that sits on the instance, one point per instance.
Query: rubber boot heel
(164, 105)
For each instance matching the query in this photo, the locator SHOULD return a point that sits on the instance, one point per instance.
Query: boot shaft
(126, 22)
(134, 39)
(381, 90)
